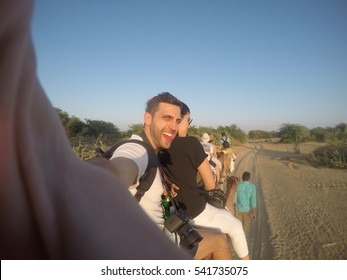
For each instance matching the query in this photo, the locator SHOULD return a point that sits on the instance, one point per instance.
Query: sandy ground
(301, 209)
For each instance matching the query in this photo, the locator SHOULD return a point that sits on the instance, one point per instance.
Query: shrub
(331, 155)
(84, 151)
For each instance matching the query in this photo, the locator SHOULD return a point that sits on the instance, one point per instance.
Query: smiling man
(161, 120)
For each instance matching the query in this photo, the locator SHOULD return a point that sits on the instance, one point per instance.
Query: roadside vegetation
(85, 136)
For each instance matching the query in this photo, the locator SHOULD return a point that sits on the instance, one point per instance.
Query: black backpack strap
(146, 180)
(225, 142)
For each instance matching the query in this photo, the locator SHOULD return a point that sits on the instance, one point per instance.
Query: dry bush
(331, 155)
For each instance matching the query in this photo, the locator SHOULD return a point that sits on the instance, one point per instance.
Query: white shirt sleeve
(135, 152)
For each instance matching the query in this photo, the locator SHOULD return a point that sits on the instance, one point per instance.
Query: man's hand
(253, 214)
(174, 189)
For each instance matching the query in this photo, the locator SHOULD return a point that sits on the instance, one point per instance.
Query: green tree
(194, 131)
(233, 132)
(63, 116)
(342, 131)
(201, 130)
(319, 134)
(293, 133)
(134, 129)
(75, 127)
(259, 134)
(106, 132)
(333, 135)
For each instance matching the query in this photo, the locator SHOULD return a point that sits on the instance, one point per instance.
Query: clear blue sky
(256, 64)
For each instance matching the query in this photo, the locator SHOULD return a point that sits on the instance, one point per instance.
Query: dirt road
(301, 209)
(259, 234)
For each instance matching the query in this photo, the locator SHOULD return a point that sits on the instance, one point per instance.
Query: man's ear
(147, 118)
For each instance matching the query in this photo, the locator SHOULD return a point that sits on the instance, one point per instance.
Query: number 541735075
(219, 270)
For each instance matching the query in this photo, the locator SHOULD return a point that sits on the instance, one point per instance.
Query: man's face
(163, 126)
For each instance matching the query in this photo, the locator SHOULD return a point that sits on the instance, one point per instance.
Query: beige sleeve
(53, 205)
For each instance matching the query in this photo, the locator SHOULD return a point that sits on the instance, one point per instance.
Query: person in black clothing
(182, 162)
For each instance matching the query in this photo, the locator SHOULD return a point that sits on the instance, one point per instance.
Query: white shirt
(208, 148)
(151, 200)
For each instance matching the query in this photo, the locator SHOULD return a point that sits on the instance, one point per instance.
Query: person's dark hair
(165, 97)
(246, 176)
(184, 109)
(223, 133)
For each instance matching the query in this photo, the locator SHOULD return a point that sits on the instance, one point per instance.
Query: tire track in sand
(259, 232)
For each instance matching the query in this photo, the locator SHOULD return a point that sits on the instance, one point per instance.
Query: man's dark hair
(246, 176)
(165, 97)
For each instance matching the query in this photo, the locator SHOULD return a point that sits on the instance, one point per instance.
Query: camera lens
(189, 236)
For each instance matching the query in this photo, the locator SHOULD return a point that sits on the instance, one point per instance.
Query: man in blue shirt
(245, 201)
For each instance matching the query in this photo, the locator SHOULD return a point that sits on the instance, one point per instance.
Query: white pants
(224, 221)
(232, 166)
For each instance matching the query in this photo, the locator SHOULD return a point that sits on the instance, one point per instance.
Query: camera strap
(167, 185)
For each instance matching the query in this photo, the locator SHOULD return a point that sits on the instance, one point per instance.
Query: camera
(179, 223)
